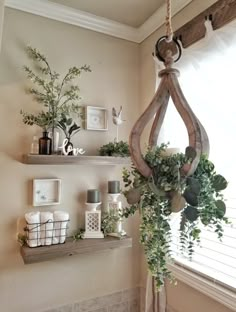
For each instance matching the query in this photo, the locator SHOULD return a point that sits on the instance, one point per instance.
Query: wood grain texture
(223, 13)
(192, 32)
(74, 160)
(71, 248)
(158, 121)
(220, 13)
(135, 135)
(169, 86)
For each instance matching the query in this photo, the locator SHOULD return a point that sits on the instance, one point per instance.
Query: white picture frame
(46, 192)
(96, 118)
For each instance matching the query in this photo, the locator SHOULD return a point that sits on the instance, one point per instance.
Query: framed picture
(96, 118)
(46, 192)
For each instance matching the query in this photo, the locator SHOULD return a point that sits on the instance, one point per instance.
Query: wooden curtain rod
(220, 13)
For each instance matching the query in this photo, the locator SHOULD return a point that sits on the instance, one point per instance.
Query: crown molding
(92, 22)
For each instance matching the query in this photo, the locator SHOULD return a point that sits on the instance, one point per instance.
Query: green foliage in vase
(120, 148)
(197, 198)
(57, 95)
(68, 126)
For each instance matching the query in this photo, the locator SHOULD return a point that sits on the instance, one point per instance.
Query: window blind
(208, 82)
(212, 258)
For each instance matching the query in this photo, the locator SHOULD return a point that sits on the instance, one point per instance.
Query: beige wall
(114, 81)
(181, 298)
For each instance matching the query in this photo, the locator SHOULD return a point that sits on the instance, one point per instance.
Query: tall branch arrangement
(197, 199)
(58, 96)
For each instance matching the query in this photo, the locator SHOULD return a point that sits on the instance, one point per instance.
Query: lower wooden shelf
(71, 248)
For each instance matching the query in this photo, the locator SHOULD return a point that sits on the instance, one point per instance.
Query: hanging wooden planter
(168, 87)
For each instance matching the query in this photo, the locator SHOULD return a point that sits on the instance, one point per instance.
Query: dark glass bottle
(45, 144)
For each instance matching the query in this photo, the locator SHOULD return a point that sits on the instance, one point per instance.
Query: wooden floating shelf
(71, 248)
(31, 159)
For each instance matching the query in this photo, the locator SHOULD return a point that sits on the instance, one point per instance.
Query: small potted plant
(70, 128)
(117, 149)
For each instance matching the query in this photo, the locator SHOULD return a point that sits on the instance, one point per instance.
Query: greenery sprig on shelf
(197, 198)
(57, 95)
(120, 148)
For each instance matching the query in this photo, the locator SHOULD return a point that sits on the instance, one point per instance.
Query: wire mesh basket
(46, 233)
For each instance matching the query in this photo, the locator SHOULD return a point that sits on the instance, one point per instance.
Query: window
(208, 81)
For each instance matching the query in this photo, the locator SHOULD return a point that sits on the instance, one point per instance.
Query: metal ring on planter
(157, 50)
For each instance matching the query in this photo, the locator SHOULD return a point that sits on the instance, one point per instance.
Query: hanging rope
(169, 30)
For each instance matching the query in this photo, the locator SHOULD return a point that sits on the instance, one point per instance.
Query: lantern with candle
(112, 219)
(93, 215)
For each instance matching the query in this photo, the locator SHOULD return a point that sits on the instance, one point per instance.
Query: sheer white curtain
(208, 80)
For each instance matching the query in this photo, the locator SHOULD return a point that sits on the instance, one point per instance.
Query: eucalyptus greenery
(120, 148)
(57, 95)
(197, 198)
(22, 239)
(109, 221)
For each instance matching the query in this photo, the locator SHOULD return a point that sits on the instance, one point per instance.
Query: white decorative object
(34, 149)
(117, 120)
(33, 228)
(46, 192)
(93, 221)
(114, 207)
(96, 118)
(76, 150)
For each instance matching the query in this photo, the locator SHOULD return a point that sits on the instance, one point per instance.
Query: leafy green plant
(120, 148)
(78, 235)
(109, 221)
(68, 126)
(197, 198)
(58, 96)
(22, 239)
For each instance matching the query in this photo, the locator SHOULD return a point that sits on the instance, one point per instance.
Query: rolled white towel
(60, 224)
(33, 225)
(46, 228)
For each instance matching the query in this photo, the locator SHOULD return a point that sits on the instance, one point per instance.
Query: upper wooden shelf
(76, 160)
(71, 247)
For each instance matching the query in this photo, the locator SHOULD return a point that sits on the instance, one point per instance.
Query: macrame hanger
(168, 87)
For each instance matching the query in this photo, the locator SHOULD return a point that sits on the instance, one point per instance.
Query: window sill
(209, 288)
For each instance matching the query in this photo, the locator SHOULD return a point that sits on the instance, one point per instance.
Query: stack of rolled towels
(46, 228)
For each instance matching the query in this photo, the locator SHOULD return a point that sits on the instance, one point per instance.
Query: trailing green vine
(197, 198)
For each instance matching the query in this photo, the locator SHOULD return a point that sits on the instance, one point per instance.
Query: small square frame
(96, 118)
(46, 192)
